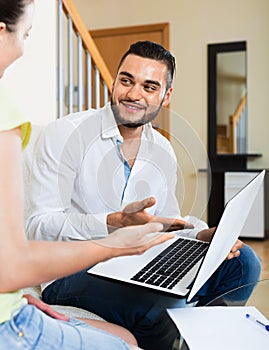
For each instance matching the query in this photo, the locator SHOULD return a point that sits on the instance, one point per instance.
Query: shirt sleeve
(56, 163)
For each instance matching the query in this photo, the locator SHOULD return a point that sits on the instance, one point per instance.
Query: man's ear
(2, 27)
(167, 97)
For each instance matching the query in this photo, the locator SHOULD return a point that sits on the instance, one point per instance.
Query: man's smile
(132, 107)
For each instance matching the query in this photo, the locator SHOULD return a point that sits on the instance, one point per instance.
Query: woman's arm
(26, 263)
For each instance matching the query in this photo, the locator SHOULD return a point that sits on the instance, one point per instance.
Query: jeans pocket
(12, 336)
(18, 318)
(24, 326)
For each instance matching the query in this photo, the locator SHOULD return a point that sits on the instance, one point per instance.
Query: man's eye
(126, 81)
(150, 87)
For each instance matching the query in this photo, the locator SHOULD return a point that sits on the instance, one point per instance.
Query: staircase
(84, 80)
(223, 141)
(232, 140)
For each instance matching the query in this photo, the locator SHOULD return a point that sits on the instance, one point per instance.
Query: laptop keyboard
(172, 264)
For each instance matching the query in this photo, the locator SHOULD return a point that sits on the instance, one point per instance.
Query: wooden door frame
(161, 27)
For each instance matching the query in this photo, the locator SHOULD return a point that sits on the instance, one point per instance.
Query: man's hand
(206, 235)
(235, 251)
(135, 214)
(45, 308)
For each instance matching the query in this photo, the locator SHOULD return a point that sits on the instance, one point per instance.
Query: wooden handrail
(239, 110)
(233, 121)
(88, 42)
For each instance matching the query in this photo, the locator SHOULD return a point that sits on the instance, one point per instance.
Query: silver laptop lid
(230, 226)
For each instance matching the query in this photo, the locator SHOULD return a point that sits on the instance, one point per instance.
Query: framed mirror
(227, 119)
(227, 98)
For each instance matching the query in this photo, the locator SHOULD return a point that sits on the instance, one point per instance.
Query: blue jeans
(32, 329)
(142, 310)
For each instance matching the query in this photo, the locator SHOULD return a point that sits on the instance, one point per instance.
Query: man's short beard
(131, 125)
(147, 118)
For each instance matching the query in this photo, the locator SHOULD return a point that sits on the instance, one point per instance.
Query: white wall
(194, 24)
(33, 77)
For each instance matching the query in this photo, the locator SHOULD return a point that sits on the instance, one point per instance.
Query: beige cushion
(69, 311)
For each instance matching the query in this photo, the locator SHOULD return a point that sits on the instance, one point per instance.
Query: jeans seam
(241, 265)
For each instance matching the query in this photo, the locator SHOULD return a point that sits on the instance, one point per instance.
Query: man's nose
(135, 93)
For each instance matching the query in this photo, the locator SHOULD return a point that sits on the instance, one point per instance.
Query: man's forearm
(61, 226)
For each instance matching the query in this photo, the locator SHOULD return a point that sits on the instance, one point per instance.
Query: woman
(26, 263)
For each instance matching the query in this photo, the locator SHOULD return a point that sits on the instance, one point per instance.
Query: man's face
(139, 91)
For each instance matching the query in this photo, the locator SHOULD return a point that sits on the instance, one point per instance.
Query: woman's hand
(45, 308)
(134, 240)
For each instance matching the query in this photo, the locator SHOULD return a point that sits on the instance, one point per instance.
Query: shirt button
(21, 334)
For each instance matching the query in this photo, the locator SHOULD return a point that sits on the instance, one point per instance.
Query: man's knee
(251, 264)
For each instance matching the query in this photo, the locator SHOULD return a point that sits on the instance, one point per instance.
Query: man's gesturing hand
(135, 214)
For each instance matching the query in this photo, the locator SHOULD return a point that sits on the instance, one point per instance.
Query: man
(92, 172)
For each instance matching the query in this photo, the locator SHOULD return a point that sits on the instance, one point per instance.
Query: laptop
(182, 265)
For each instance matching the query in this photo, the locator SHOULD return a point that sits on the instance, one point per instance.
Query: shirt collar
(147, 133)
(109, 125)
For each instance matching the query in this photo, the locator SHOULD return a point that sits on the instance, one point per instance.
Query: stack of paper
(221, 328)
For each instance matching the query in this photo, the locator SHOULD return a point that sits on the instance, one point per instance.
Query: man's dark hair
(154, 51)
(11, 11)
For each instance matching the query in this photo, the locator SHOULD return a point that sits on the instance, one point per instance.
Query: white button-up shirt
(80, 176)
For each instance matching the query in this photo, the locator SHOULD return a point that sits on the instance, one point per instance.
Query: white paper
(221, 328)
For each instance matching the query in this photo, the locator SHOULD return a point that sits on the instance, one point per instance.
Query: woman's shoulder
(11, 116)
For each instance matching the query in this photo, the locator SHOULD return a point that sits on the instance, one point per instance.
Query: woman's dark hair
(11, 11)
(154, 51)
